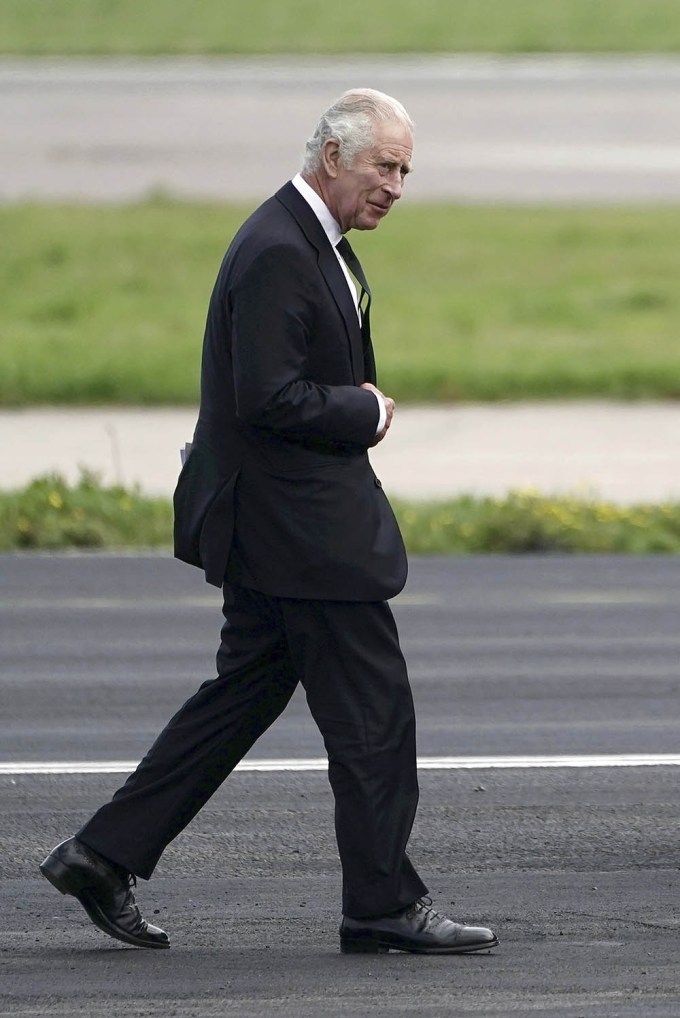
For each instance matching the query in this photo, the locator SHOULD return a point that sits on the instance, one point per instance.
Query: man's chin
(371, 218)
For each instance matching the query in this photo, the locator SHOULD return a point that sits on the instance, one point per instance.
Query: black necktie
(354, 265)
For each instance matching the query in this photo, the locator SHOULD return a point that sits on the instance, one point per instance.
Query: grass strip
(106, 304)
(307, 26)
(526, 521)
(52, 514)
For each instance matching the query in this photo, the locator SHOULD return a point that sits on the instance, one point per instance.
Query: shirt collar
(319, 208)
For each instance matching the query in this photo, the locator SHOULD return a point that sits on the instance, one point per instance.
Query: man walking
(278, 503)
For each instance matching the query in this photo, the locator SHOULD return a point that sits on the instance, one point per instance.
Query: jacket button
(378, 482)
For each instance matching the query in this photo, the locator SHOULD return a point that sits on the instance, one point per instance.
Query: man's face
(361, 195)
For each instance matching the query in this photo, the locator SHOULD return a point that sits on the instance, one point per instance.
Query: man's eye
(387, 168)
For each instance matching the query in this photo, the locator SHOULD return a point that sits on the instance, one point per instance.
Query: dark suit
(279, 457)
(278, 499)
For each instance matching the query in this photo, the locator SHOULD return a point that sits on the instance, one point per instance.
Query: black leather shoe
(419, 928)
(104, 890)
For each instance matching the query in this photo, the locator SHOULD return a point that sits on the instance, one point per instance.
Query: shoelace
(430, 915)
(128, 882)
(139, 924)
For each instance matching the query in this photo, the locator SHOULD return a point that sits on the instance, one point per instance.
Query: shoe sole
(62, 878)
(381, 945)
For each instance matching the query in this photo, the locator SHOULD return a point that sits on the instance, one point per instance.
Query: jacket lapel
(291, 199)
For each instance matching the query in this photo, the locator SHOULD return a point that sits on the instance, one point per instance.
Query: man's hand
(389, 409)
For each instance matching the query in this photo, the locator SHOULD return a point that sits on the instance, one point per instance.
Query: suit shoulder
(270, 243)
(270, 225)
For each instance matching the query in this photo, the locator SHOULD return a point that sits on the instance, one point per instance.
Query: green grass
(528, 522)
(50, 513)
(107, 304)
(527, 303)
(355, 26)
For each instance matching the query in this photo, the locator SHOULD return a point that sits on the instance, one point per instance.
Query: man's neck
(306, 185)
(313, 180)
(316, 183)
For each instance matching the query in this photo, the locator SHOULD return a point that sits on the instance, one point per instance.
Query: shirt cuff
(383, 413)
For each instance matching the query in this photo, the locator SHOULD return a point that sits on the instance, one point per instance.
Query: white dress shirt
(332, 230)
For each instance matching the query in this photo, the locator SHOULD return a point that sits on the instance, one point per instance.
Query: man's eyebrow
(404, 167)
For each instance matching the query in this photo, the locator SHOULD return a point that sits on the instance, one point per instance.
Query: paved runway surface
(514, 129)
(577, 868)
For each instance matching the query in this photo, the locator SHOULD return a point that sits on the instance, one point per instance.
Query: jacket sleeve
(272, 307)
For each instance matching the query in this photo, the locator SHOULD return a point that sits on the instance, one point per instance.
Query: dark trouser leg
(203, 742)
(348, 658)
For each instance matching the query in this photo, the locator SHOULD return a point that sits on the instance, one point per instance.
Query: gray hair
(351, 121)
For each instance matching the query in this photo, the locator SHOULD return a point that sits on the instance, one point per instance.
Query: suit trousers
(347, 657)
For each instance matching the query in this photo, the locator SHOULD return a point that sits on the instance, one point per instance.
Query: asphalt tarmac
(576, 867)
(516, 129)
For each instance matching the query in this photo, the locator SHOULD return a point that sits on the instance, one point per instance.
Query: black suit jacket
(278, 493)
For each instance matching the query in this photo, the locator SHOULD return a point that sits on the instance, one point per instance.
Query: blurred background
(527, 305)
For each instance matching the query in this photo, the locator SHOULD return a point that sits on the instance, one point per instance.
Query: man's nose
(394, 184)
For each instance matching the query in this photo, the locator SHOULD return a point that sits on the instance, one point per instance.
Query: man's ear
(331, 157)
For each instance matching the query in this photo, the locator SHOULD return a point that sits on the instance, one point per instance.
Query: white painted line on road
(428, 763)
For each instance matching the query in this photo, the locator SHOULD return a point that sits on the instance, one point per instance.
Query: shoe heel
(62, 877)
(361, 945)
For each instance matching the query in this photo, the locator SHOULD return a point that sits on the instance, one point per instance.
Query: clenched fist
(389, 409)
